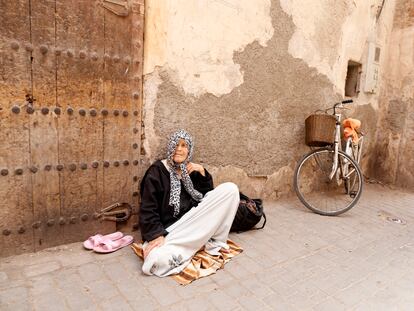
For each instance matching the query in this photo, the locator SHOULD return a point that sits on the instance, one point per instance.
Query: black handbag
(249, 213)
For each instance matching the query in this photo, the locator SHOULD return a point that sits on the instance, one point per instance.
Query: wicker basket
(320, 130)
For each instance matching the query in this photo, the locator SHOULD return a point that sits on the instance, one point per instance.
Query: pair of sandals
(107, 243)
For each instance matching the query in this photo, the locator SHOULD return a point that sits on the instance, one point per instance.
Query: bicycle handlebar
(347, 101)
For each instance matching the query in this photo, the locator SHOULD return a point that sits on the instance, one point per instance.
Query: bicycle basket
(320, 130)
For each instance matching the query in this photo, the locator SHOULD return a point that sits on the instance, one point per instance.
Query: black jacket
(156, 214)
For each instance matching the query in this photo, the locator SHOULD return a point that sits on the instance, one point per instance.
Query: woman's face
(181, 152)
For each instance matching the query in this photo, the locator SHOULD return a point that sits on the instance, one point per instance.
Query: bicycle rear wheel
(321, 194)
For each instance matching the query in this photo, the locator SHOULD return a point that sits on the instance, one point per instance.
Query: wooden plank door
(16, 210)
(80, 36)
(122, 98)
(44, 121)
(73, 148)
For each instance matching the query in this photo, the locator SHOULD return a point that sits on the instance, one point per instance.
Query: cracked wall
(238, 75)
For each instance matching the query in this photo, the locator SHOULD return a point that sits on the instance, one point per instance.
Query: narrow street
(362, 260)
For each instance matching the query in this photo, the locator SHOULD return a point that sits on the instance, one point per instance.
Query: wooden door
(70, 118)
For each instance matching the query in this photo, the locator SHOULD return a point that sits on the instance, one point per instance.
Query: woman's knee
(229, 187)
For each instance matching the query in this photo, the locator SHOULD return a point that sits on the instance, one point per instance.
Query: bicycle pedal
(353, 194)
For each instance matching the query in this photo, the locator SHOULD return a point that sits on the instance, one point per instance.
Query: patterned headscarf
(174, 178)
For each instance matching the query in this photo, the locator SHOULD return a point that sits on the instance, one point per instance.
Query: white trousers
(207, 224)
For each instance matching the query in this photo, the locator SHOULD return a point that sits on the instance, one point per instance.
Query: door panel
(80, 35)
(121, 141)
(16, 210)
(44, 124)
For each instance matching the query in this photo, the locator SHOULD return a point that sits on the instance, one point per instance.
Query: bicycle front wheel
(322, 194)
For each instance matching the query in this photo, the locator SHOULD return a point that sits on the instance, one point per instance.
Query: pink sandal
(109, 246)
(98, 239)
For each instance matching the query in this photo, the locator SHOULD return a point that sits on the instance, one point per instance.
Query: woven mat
(202, 264)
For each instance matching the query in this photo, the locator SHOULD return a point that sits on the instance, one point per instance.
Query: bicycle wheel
(321, 194)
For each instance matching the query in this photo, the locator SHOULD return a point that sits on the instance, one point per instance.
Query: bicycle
(328, 180)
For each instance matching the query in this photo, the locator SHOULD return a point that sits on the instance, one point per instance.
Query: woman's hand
(153, 244)
(193, 167)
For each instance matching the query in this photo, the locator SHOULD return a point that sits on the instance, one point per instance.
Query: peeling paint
(196, 40)
(259, 126)
(328, 34)
(250, 185)
(151, 84)
(274, 186)
(252, 133)
(317, 35)
(279, 184)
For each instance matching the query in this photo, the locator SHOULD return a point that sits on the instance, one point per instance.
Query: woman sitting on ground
(181, 212)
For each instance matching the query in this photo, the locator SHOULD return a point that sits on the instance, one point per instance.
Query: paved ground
(301, 261)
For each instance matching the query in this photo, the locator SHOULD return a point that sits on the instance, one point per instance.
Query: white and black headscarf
(174, 178)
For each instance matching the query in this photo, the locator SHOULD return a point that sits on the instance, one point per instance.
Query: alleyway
(301, 261)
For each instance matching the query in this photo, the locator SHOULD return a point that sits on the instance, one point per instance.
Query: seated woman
(181, 212)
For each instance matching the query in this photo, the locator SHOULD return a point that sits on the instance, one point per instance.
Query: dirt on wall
(405, 171)
(404, 14)
(394, 163)
(255, 134)
(394, 149)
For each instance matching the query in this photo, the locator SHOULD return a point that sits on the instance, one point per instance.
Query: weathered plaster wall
(395, 148)
(242, 76)
(196, 40)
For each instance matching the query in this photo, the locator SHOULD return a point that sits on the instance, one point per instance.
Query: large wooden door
(70, 117)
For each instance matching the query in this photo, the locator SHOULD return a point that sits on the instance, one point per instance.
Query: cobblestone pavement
(301, 261)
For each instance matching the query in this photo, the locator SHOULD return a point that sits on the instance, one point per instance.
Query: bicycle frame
(337, 145)
(354, 150)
